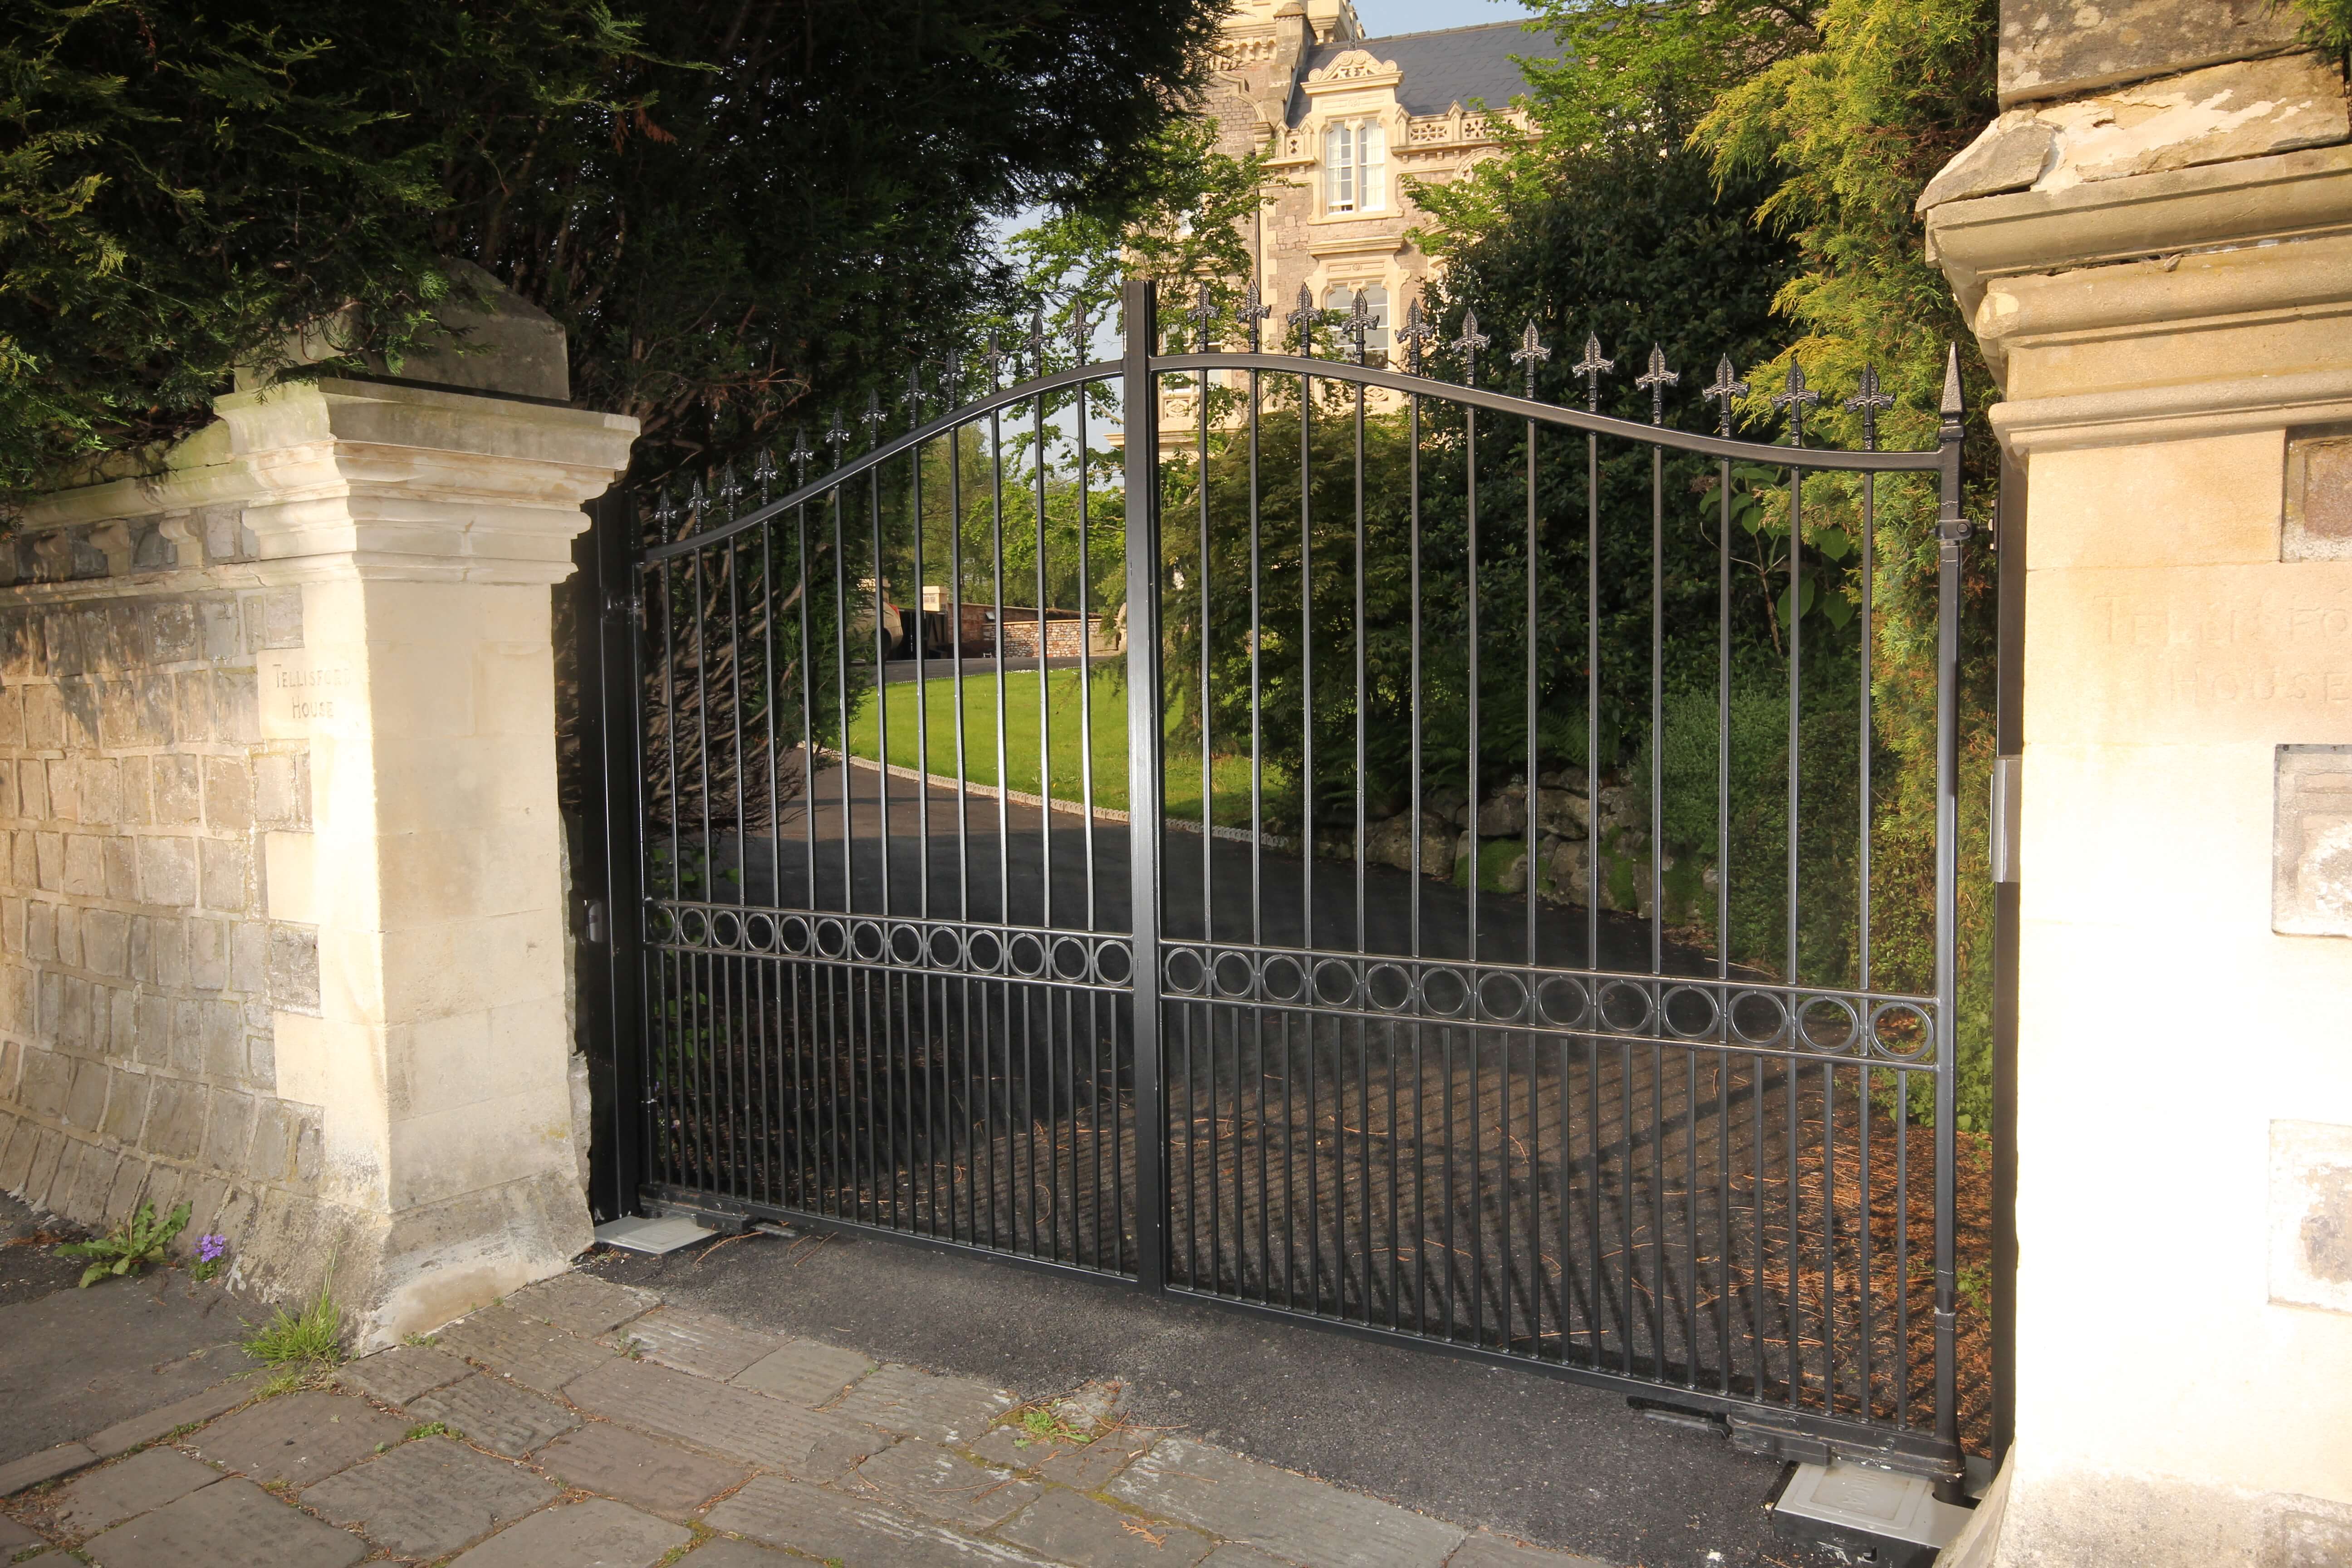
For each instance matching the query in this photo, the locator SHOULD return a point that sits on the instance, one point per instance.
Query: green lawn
(1230, 776)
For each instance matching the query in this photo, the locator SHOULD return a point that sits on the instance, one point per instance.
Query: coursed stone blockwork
(139, 967)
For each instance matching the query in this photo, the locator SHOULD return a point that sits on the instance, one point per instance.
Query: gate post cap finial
(1954, 405)
(872, 418)
(763, 473)
(1082, 335)
(799, 456)
(694, 502)
(1037, 337)
(835, 431)
(730, 489)
(666, 513)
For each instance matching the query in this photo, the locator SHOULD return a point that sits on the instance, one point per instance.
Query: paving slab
(154, 1425)
(856, 1533)
(1308, 1521)
(719, 1417)
(637, 1469)
(582, 1303)
(534, 1353)
(691, 1341)
(230, 1524)
(1075, 1528)
(103, 1498)
(1084, 1466)
(429, 1497)
(930, 1480)
(722, 1553)
(15, 1537)
(1484, 1549)
(46, 1466)
(78, 1361)
(597, 1534)
(805, 1372)
(400, 1374)
(921, 1405)
(297, 1437)
(1234, 1555)
(494, 1413)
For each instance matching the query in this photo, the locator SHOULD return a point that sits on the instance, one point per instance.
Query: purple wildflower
(210, 1247)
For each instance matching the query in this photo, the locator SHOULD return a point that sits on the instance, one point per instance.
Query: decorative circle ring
(1184, 972)
(1502, 996)
(1690, 1012)
(1902, 1030)
(1445, 992)
(1562, 1001)
(1612, 1005)
(1759, 1018)
(1828, 1024)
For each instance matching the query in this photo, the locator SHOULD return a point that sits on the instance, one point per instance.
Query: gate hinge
(2007, 775)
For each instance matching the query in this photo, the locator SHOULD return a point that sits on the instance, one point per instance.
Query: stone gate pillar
(2154, 244)
(291, 701)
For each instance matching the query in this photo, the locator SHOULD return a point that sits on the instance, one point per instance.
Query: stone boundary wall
(138, 972)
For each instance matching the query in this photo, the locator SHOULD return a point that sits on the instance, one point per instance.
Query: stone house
(1349, 117)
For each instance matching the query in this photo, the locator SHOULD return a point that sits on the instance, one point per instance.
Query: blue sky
(1381, 17)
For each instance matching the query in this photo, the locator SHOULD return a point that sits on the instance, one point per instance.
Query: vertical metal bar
(1363, 1048)
(633, 999)
(1144, 809)
(2010, 540)
(1085, 659)
(1208, 873)
(1952, 533)
(1414, 886)
(1252, 312)
(1044, 694)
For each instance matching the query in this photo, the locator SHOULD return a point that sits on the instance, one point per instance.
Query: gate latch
(595, 922)
(2006, 777)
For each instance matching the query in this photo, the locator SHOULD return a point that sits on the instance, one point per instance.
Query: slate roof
(1441, 68)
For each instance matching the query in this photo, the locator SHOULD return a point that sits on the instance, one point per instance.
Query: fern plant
(136, 1242)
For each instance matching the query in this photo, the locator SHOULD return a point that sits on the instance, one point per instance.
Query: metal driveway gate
(1528, 970)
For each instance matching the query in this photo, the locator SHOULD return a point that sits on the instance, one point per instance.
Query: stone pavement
(582, 1422)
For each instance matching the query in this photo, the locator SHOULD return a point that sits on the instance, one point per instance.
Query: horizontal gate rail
(1202, 1039)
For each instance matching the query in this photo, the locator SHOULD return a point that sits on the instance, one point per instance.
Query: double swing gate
(1295, 831)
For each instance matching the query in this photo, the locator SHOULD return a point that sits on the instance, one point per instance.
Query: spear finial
(1655, 380)
(1305, 318)
(1255, 311)
(1796, 399)
(1415, 331)
(1202, 313)
(1867, 400)
(1727, 391)
(1530, 354)
(1468, 344)
(1592, 367)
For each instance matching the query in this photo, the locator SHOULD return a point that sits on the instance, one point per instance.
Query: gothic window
(1341, 302)
(1355, 159)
